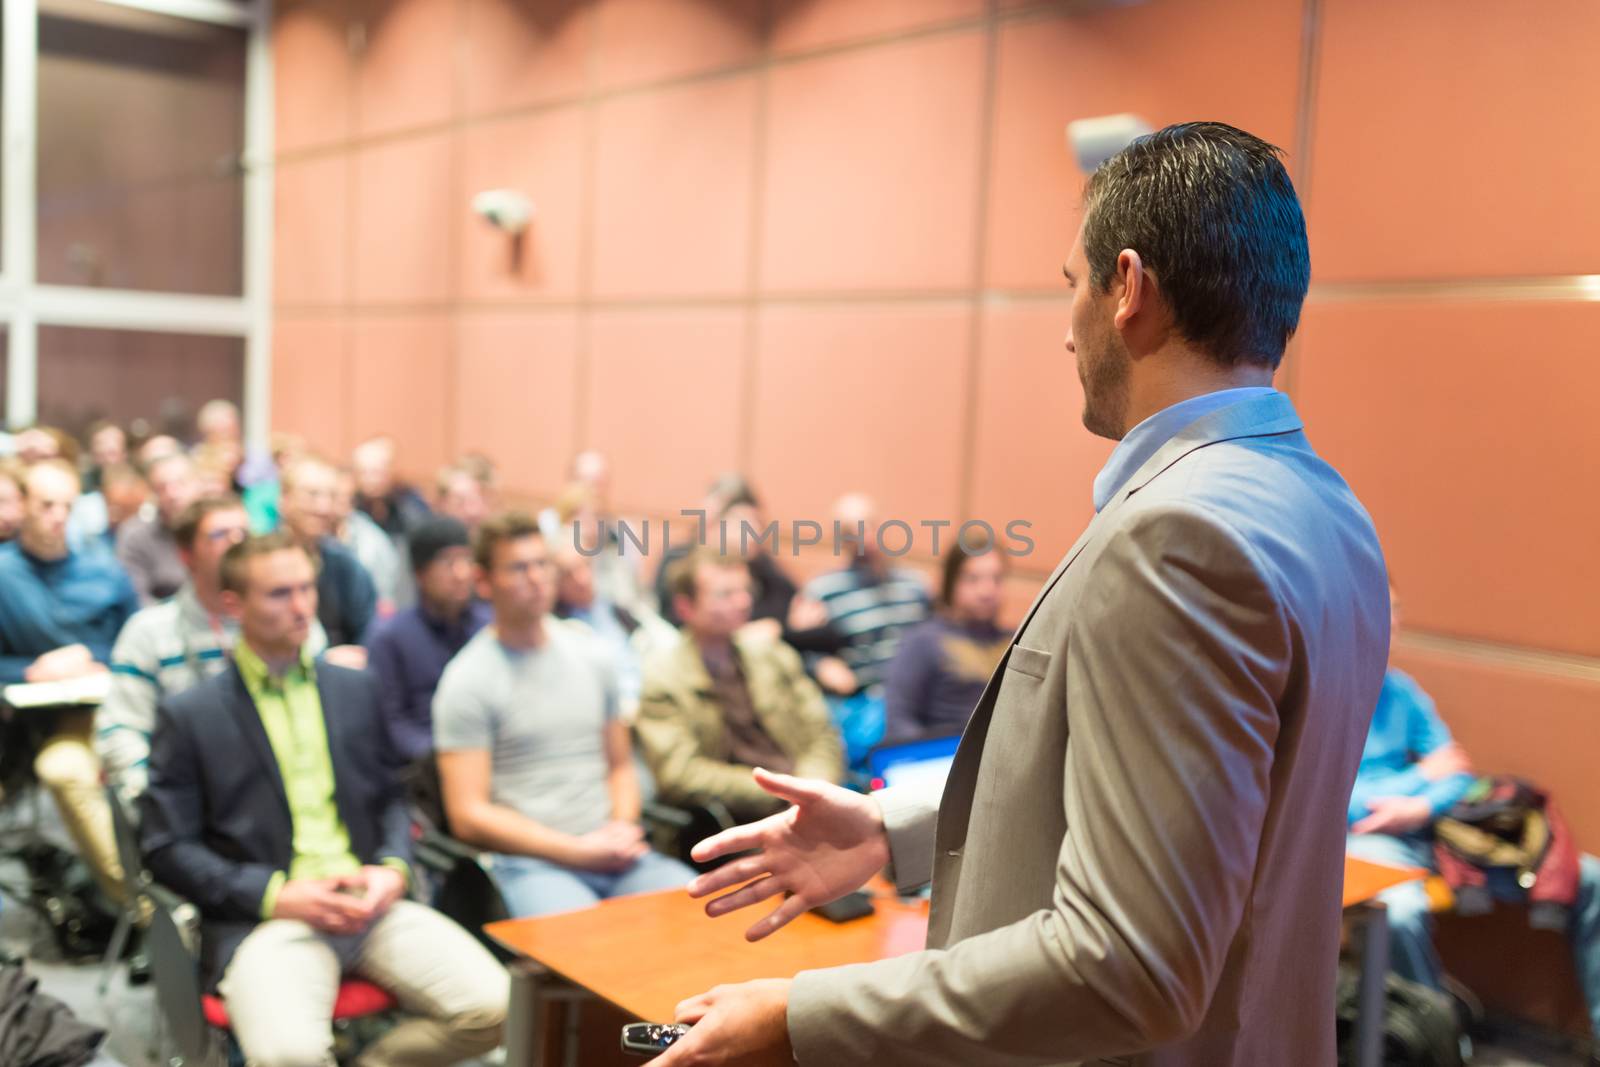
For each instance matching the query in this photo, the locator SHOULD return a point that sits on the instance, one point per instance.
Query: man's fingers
(790, 788)
(693, 1009)
(754, 893)
(735, 873)
(780, 917)
(1365, 825)
(738, 839)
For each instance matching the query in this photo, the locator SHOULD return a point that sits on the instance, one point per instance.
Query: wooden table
(646, 953)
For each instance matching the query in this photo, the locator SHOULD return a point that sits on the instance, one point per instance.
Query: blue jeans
(1411, 952)
(538, 887)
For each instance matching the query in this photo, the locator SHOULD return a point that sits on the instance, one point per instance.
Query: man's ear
(1133, 287)
(232, 604)
(683, 606)
(480, 581)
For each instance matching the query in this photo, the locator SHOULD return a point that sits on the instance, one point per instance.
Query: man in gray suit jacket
(1138, 855)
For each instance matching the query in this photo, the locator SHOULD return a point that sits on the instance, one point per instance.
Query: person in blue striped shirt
(170, 646)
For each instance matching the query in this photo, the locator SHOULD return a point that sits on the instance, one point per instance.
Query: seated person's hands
(384, 886)
(806, 613)
(764, 629)
(835, 676)
(351, 656)
(331, 905)
(1444, 762)
(59, 664)
(614, 847)
(1395, 815)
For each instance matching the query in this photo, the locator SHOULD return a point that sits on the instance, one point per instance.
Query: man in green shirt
(271, 808)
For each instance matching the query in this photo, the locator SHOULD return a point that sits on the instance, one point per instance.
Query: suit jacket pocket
(1029, 661)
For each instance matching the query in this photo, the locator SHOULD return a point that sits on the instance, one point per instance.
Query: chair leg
(119, 941)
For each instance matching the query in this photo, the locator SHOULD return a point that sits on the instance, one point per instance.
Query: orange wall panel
(672, 190)
(798, 25)
(871, 170)
(403, 217)
(311, 254)
(314, 90)
(1468, 430)
(1456, 140)
(400, 384)
(651, 40)
(668, 424)
(1521, 722)
(522, 52)
(310, 381)
(861, 398)
(516, 395)
(1236, 61)
(404, 79)
(1032, 459)
(541, 157)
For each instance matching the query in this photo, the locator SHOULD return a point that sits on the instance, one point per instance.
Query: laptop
(923, 764)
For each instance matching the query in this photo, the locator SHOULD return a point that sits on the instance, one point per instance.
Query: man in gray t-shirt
(534, 763)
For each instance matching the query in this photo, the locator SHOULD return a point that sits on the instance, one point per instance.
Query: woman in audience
(940, 670)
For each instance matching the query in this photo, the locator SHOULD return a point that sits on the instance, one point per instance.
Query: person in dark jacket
(939, 672)
(270, 808)
(347, 599)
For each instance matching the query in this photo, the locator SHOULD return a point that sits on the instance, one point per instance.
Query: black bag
(1420, 1028)
(61, 888)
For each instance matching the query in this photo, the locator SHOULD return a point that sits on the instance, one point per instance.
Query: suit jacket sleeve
(1177, 653)
(171, 824)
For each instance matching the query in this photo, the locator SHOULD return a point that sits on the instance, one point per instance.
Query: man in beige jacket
(722, 700)
(1138, 854)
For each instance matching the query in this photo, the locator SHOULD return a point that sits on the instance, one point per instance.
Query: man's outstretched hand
(826, 845)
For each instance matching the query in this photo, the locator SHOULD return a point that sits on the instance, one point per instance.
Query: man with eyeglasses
(535, 763)
(171, 646)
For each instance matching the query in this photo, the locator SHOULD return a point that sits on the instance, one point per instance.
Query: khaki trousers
(69, 769)
(280, 988)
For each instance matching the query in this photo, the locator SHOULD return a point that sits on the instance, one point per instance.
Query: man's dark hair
(1214, 217)
(508, 526)
(956, 557)
(434, 535)
(236, 561)
(194, 516)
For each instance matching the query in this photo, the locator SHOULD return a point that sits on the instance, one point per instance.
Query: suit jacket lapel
(341, 739)
(249, 722)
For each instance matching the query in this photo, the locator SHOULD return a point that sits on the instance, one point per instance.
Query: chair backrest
(177, 981)
(134, 877)
(424, 794)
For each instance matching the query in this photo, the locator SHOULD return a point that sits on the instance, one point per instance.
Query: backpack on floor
(1420, 1028)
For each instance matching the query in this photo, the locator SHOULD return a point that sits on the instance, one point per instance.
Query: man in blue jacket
(60, 611)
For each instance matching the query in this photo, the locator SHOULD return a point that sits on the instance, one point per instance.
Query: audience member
(347, 600)
(97, 515)
(145, 544)
(1412, 772)
(60, 611)
(372, 548)
(174, 645)
(277, 817)
(870, 603)
(534, 761)
(939, 673)
(722, 700)
(630, 634)
(396, 507)
(45, 442)
(107, 444)
(462, 496)
(155, 447)
(11, 506)
(582, 515)
(407, 652)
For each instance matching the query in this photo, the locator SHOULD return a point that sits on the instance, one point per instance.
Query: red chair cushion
(356, 999)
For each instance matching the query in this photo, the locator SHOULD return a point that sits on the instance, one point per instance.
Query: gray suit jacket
(1138, 855)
